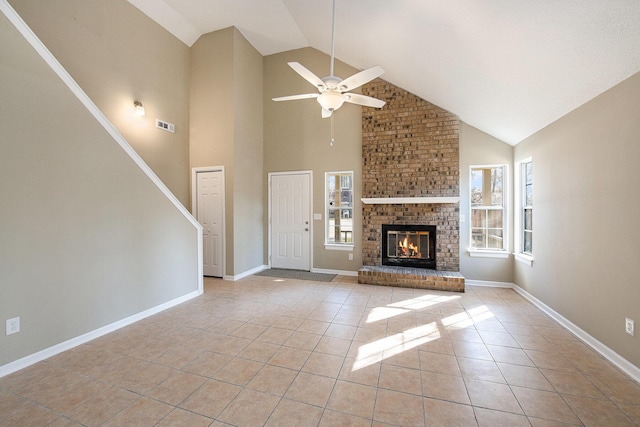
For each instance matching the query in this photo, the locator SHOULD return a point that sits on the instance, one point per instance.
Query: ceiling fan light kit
(333, 91)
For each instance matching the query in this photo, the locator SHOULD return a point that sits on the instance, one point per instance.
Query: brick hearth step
(408, 277)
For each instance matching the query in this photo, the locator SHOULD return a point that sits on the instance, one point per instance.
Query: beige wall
(479, 148)
(248, 159)
(211, 116)
(87, 238)
(226, 130)
(586, 233)
(297, 138)
(89, 37)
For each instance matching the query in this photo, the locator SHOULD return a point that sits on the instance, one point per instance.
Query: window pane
(478, 217)
(478, 238)
(346, 198)
(527, 243)
(345, 181)
(476, 187)
(494, 219)
(528, 219)
(527, 179)
(494, 238)
(496, 186)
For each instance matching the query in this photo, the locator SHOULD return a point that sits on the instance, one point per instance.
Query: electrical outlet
(13, 326)
(628, 326)
(350, 257)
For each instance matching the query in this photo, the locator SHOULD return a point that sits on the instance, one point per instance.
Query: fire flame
(407, 246)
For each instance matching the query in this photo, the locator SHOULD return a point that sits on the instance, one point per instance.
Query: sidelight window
(339, 208)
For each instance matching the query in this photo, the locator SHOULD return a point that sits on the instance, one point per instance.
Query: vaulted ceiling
(506, 67)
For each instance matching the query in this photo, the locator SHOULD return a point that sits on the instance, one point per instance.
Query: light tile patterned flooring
(264, 351)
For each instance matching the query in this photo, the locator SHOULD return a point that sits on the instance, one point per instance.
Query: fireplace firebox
(409, 245)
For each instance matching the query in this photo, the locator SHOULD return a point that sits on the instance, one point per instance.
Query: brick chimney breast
(410, 148)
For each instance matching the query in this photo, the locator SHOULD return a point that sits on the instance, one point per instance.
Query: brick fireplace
(410, 176)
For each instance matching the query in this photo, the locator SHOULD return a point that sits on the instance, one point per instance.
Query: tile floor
(265, 351)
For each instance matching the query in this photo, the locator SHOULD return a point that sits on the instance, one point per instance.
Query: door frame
(303, 172)
(194, 201)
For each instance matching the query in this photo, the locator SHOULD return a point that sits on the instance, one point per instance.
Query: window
(339, 212)
(487, 203)
(526, 178)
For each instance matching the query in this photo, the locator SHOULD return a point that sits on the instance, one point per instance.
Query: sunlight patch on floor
(376, 351)
(384, 348)
(383, 313)
(401, 307)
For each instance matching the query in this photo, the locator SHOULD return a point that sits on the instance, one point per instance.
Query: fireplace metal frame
(429, 263)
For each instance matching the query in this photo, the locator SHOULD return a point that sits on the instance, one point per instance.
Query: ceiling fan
(333, 91)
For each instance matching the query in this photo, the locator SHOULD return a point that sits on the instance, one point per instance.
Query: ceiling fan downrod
(333, 38)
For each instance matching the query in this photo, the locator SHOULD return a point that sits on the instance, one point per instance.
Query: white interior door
(209, 212)
(290, 222)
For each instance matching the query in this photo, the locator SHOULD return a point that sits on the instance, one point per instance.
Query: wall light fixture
(139, 108)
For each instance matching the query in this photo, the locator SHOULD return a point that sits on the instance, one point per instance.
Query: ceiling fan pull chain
(332, 130)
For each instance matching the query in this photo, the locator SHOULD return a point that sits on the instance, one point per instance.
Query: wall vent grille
(169, 127)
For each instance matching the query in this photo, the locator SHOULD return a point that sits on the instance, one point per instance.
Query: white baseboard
(613, 357)
(26, 361)
(339, 272)
(246, 273)
(489, 284)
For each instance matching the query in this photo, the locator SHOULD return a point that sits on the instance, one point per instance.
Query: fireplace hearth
(409, 245)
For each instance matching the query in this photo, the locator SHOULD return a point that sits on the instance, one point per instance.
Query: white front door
(290, 222)
(209, 211)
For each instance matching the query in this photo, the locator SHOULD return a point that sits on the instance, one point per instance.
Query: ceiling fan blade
(307, 75)
(367, 101)
(326, 113)
(294, 97)
(360, 78)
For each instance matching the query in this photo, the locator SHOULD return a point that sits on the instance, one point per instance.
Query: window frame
(487, 252)
(523, 207)
(333, 245)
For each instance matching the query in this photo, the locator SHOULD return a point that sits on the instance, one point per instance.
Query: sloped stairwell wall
(88, 239)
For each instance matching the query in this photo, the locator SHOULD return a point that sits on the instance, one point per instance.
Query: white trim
(339, 272)
(487, 254)
(524, 258)
(194, 206)
(622, 363)
(408, 200)
(337, 247)
(248, 273)
(66, 78)
(489, 284)
(31, 359)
